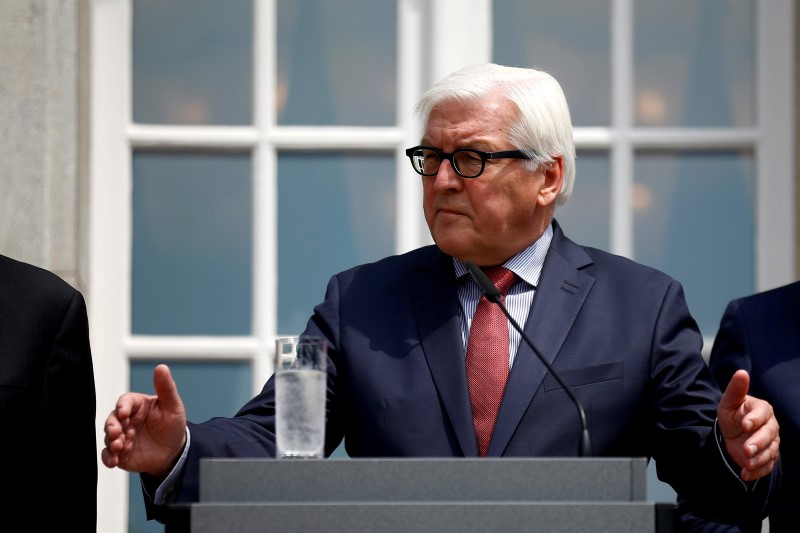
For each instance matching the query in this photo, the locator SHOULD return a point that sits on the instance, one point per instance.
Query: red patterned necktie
(487, 358)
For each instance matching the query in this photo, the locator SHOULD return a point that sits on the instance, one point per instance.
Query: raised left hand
(749, 428)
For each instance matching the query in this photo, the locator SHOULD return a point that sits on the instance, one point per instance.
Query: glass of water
(300, 394)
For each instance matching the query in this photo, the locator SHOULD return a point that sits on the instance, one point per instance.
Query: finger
(109, 459)
(112, 427)
(760, 426)
(166, 389)
(766, 439)
(755, 448)
(762, 462)
(761, 458)
(736, 391)
(124, 407)
(114, 445)
(749, 474)
(758, 414)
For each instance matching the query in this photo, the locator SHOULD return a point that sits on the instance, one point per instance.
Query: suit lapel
(438, 317)
(561, 293)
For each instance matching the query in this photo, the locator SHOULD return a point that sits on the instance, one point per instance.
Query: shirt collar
(527, 264)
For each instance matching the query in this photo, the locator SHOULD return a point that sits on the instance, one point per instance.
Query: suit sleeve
(69, 406)
(729, 503)
(700, 475)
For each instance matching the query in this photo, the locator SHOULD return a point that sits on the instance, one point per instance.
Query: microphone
(493, 295)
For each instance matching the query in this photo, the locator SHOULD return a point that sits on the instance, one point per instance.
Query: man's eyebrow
(475, 144)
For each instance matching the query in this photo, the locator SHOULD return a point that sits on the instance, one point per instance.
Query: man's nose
(447, 177)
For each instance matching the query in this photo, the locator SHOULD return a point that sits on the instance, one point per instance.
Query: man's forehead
(487, 122)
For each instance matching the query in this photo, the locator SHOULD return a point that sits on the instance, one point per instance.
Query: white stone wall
(42, 148)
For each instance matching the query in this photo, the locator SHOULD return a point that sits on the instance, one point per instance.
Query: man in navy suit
(496, 156)
(48, 449)
(761, 334)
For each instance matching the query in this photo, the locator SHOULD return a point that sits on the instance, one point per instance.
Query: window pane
(335, 211)
(337, 63)
(570, 39)
(695, 63)
(694, 219)
(586, 217)
(207, 390)
(192, 244)
(192, 61)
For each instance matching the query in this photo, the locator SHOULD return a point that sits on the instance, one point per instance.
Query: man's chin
(470, 251)
(456, 248)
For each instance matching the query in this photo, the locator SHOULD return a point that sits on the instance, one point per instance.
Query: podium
(426, 495)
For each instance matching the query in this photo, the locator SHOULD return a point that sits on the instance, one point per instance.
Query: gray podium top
(424, 480)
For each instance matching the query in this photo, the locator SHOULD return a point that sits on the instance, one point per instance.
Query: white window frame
(424, 55)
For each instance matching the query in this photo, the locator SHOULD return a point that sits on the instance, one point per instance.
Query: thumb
(166, 389)
(736, 391)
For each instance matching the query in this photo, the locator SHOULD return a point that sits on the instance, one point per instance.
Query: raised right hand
(147, 433)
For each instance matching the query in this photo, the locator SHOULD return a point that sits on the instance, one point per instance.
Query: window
(244, 151)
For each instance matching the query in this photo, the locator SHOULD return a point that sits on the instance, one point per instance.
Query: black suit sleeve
(48, 452)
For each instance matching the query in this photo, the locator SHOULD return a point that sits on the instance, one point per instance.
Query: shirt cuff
(166, 490)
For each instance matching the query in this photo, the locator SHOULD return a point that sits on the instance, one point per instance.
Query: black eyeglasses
(468, 163)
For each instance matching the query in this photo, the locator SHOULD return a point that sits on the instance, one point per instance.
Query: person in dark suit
(496, 156)
(48, 449)
(760, 333)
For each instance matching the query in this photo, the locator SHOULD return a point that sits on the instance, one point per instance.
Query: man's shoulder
(603, 264)
(31, 280)
(424, 257)
(787, 292)
(397, 271)
(772, 301)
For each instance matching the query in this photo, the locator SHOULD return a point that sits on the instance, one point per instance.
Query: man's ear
(553, 173)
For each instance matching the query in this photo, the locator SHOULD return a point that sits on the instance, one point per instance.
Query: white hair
(543, 129)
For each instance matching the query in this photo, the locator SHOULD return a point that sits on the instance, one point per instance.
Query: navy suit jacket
(761, 334)
(618, 333)
(48, 450)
